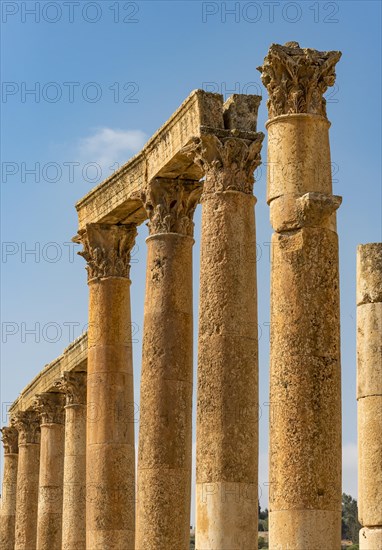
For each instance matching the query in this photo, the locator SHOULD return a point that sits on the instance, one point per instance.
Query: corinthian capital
(9, 437)
(27, 425)
(170, 205)
(50, 407)
(296, 79)
(73, 385)
(227, 162)
(107, 249)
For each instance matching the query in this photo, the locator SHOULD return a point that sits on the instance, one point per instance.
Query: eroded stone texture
(49, 406)
(73, 385)
(369, 393)
(8, 494)
(164, 459)
(110, 460)
(305, 379)
(227, 402)
(28, 427)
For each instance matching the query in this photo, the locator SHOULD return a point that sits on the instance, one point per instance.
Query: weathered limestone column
(110, 460)
(165, 436)
(8, 496)
(227, 399)
(73, 384)
(49, 512)
(369, 394)
(305, 377)
(28, 427)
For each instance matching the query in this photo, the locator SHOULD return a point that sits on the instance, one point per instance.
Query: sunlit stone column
(49, 512)
(305, 377)
(369, 394)
(8, 496)
(28, 427)
(227, 398)
(110, 460)
(164, 459)
(73, 384)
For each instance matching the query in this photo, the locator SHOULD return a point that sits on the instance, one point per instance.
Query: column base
(304, 529)
(370, 538)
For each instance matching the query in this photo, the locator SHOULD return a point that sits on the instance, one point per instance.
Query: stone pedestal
(369, 394)
(305, 380)
(110, 460)
(165, 437)
(49, 513)
(227, 397)
(28, 427)
(8, 493)
(73, 384)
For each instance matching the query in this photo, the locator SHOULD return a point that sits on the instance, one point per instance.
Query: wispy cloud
(110, 148)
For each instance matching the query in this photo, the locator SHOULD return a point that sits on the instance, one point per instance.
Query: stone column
(49, 512)
(369, 394)
(227, 398)
(28, 427)
(165, 434)
(110, 460)
(8, 497)
(73, 384)
(305, 377)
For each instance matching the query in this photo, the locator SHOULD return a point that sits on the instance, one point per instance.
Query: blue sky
(105, 76)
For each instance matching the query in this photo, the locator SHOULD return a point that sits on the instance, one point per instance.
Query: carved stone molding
(73, 385)
(170, 205)
(296, 79)
(28, 426)
(9, 437)
(228, 162)
(107, 249)
(50, 407)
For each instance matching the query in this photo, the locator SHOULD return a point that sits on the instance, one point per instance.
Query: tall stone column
(28, 427)
(369, 394)
(110, 460)
(305, 377)
(165, 436)
(227, 398)
(49, 512)
(73, 384)
(8, 496)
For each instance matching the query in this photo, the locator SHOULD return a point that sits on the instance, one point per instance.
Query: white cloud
(350, 469)
(109, 147)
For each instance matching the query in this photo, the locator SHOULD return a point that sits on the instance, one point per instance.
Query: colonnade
(70, 476)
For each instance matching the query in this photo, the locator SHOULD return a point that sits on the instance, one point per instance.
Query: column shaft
(305, 384)
(8, 494)
(73, 384)
(369, 394)
(165, 435)
(110, 460)
(28, 427)
(49, 513)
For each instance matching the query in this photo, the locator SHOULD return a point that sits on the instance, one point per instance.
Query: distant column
(305, 371)
(8, 496)
(49, 513)
(110, 447)
(73, 384)
(164, 459)
(369, 394)
(28, 427)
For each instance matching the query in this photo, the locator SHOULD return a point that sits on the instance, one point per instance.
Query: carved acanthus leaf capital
(228, 163)
(170, 205)
(73, 385)
(28, 426)
(9, 437)
(297, 78)
(107, 249)
(50, 407)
